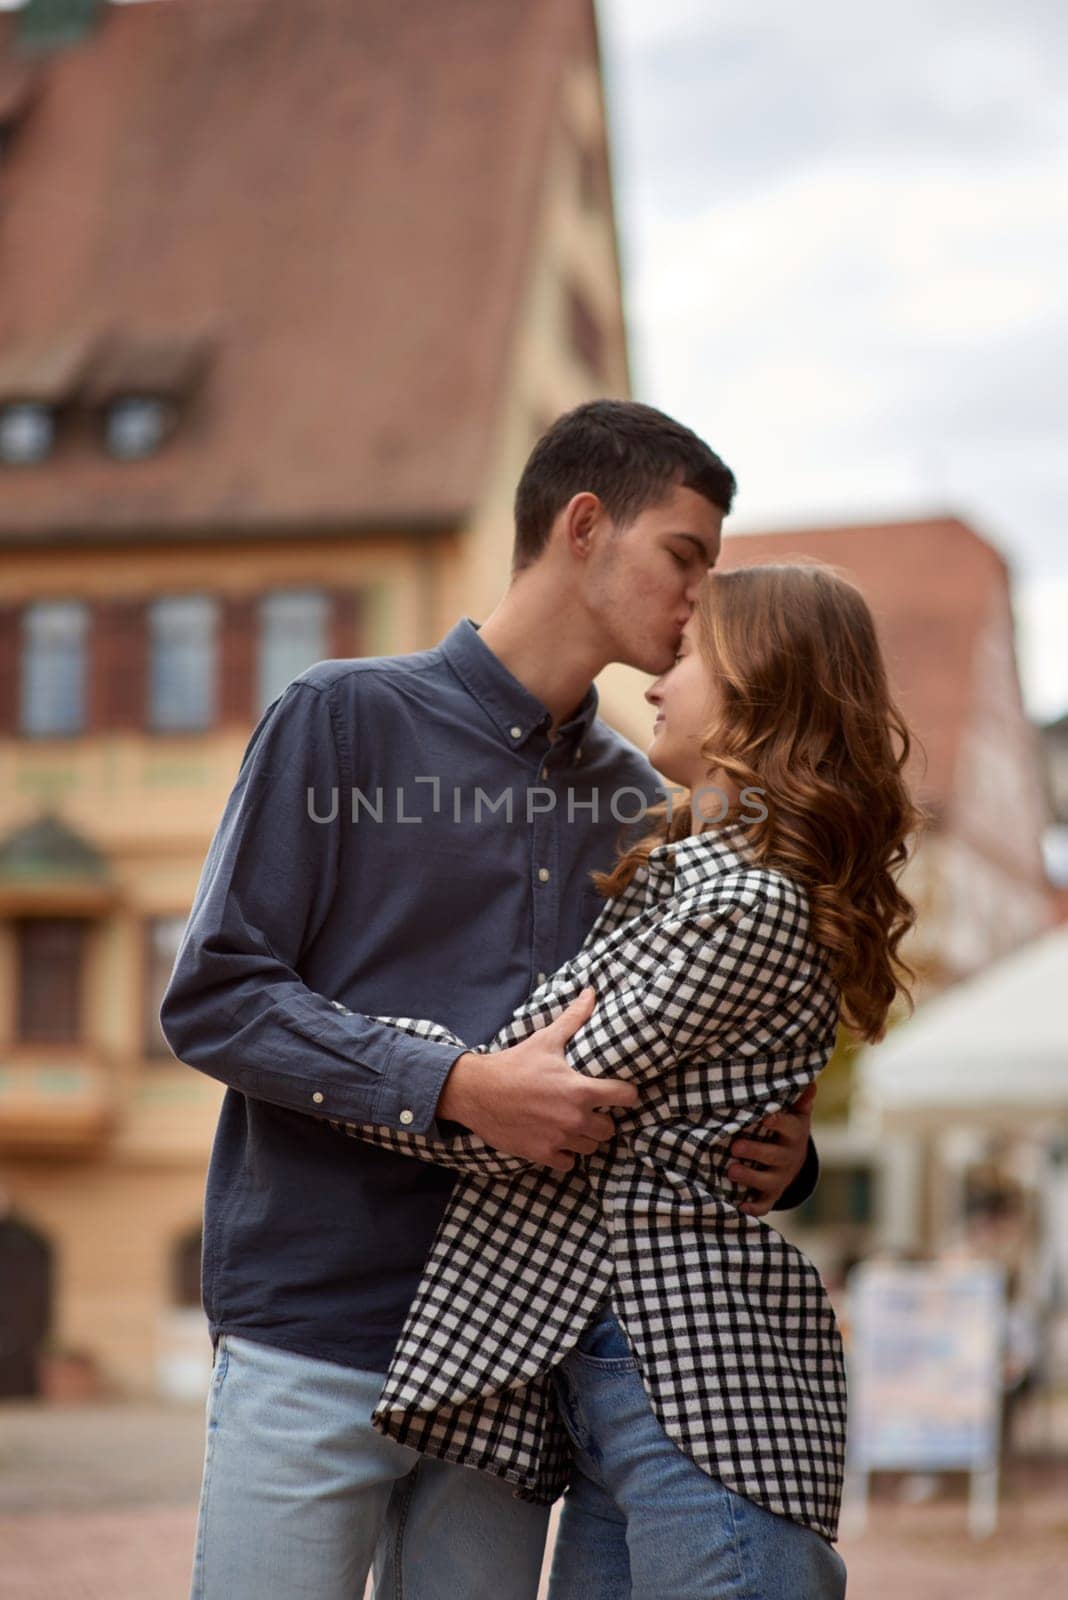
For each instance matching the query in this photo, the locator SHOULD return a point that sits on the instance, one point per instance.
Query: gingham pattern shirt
(712, 997)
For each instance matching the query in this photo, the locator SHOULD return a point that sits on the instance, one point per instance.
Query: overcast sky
(845, 240)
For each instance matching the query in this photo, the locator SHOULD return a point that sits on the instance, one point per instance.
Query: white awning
(993, 1044)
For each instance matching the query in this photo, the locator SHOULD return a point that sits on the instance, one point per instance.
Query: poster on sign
(925, 1376)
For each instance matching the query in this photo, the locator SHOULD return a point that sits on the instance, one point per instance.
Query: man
(414, 835)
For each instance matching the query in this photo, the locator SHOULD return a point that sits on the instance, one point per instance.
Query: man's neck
(543, 644)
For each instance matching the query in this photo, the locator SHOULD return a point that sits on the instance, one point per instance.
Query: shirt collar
(516, 712)
(692, 860)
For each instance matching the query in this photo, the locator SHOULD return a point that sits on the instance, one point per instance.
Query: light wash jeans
(641, 1522)
(301, 1496)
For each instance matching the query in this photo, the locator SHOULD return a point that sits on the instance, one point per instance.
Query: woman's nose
(654, 693)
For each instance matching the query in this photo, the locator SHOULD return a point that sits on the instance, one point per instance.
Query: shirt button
(407, 1116)
(541, 977)
(544, 773)
(317, 1097)
(515, 732)
(578, 753)
(543, 874)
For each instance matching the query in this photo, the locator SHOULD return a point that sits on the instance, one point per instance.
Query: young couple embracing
(508, 1100)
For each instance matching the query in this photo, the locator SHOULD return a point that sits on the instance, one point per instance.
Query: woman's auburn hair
(805, 716)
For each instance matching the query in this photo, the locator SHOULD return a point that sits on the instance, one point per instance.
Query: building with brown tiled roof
(287, 290)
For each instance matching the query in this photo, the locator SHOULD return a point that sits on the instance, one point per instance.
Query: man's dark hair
(629, 455)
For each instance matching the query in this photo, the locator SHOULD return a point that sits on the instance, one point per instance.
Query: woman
(625, 1328)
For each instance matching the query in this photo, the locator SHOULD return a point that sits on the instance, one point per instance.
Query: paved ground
(96, 1503)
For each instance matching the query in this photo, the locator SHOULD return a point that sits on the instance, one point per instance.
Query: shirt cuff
(412, 1084)
(796, 1193)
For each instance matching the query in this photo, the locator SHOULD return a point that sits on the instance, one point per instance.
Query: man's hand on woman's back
(767, 1166)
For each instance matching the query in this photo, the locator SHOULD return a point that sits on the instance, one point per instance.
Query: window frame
(25, 1035)
(77, 648)
(197, 723)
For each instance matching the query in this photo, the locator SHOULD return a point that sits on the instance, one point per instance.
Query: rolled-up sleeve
(728, 965)
(237, 1007)
(708, 971)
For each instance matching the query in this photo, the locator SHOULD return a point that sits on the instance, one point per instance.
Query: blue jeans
(641, 1521)
(302, 1496)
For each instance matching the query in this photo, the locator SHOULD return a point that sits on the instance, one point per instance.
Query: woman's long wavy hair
(805, 715)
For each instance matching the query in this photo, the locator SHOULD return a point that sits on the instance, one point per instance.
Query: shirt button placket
(546, 893)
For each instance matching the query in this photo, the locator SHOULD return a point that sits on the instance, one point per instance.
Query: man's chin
(655, 662)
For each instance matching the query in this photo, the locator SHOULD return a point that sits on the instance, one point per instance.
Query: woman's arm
(719, 978)
(512, 1108)
(462, 1151)
(697, 979)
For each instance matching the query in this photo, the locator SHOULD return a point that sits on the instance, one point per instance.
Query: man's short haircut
(629, 455)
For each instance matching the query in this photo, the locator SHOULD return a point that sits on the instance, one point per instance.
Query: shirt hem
(314, 1351)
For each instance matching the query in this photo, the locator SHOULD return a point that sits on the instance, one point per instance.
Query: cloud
(890, 302)
(731, 93)
(845, 236)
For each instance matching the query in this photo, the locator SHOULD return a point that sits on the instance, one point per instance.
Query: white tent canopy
(996, 1043)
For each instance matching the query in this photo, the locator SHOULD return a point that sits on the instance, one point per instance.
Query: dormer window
(136, 426)
(141, 384)
(27, 433)
(39, 380)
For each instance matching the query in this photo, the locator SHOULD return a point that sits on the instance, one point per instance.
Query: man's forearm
(274, 1039)
(450, 1144)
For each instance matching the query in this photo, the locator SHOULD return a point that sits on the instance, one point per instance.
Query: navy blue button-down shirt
(402, 839)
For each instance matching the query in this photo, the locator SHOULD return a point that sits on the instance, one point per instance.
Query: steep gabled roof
(341, 193)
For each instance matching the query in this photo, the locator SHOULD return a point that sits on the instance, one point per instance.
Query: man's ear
(581, 518)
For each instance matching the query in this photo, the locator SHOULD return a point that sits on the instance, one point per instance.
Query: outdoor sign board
(925, 1375)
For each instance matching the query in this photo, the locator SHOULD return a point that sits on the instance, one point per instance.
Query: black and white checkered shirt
(711, 997)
